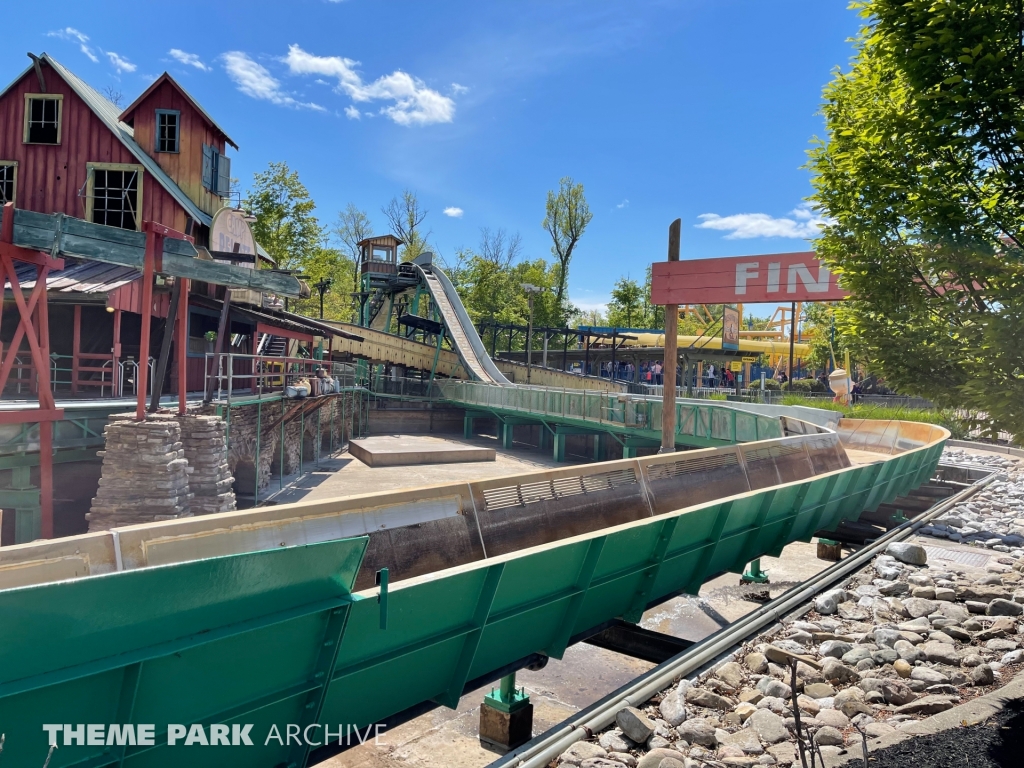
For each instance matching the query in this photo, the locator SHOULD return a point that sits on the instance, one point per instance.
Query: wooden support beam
(165, 347)
(154, 246)
(668, 406)
(182, 345)
(111, 245)
(222, 328)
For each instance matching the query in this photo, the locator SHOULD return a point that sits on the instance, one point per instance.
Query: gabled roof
(110, 115)
(382, 240)
(166, 78)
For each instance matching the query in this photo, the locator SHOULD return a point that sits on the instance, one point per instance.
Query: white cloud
(255, 80)
(453, 212)
(353, 113)
(189, 59)
(623, 204)
(459, 89)
(120, 64)
(413, 102)
(70, 33)
(805, 223)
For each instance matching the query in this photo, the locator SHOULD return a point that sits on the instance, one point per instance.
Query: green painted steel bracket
(643, 595)
(471, 641)
(710, 547)
(327, 657)
(560, 641)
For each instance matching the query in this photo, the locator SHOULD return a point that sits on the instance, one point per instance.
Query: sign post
(668, 401)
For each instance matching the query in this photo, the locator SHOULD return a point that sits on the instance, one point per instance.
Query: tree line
(489, 276)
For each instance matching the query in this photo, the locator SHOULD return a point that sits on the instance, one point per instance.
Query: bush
(806, 385)
(770, 385)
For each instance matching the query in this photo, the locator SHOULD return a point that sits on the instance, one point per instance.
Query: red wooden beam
(154, 250)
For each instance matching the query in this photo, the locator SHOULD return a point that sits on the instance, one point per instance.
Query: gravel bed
(901, 640)
(993, 518)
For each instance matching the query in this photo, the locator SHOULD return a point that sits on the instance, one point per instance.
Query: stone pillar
(144, 476)
(204, 439)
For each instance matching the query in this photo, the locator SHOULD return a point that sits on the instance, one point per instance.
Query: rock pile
(900, 641)
(144, 476)
(204, 439)
(993, 518)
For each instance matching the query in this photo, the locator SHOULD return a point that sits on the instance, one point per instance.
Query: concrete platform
(403, 450)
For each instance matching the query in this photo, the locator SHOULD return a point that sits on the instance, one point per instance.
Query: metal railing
(229, 375)
(617, 411)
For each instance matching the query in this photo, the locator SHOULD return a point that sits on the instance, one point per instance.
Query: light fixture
(110, 309)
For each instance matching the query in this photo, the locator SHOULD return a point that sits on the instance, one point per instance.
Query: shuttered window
(216, 171)
(208, 164)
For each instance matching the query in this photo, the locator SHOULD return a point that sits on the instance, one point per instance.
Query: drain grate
(971, 559)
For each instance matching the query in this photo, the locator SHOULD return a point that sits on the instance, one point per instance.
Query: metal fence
(228, 376)
(707, 424)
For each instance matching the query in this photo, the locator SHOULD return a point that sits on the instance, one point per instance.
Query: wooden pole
(154, 248)
(222, 329)
(115, 351)
(792, 340)
(182, 348)
(76, 349)
(165, 347)
(668, 402)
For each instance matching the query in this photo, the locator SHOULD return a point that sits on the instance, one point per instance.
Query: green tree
(352, 227)
(566, 218)
(339, 304)
(920, 181)
(285, 224)
(627, 303)
(405, 217)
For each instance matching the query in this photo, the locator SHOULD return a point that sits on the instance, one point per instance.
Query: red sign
(744, 279)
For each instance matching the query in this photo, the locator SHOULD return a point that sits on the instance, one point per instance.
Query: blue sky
(698, 109)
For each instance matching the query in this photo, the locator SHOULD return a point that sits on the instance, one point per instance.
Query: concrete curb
(971, 713)
(987, 447)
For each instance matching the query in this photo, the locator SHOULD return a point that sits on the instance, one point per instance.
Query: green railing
(710, 424)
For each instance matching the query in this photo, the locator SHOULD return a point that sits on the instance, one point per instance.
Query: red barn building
(65, 148)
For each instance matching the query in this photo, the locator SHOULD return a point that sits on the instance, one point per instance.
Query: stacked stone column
(165, 467)
(204, 439)
(145, 474)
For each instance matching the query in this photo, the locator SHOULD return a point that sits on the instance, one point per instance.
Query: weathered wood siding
(185, 166)
(50, 176)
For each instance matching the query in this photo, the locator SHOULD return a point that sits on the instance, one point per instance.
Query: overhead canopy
(62, 235)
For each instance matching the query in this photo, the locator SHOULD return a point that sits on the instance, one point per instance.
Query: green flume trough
(269, 618)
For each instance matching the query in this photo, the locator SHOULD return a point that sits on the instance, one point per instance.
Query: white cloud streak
(189, 59)
(72, 34)
(353, 113)
(120, 63)
(453, 212)
(412, 102)
(804, 223)
(459, 89)
(254, 80)
(623, 204)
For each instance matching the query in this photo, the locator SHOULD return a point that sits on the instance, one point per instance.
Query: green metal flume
(269, 617)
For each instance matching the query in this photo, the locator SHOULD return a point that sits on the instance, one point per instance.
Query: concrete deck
(405, 450)
(447, 738)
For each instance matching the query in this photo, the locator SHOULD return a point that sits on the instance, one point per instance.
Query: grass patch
(958, 426)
